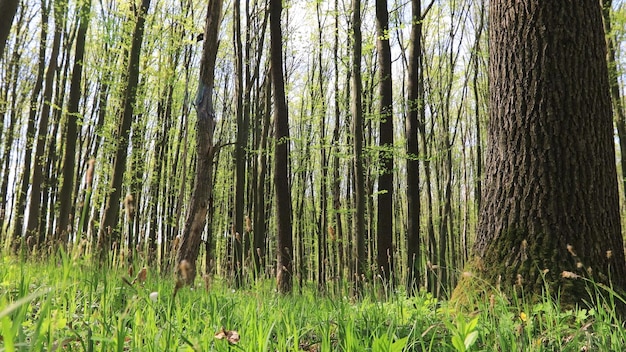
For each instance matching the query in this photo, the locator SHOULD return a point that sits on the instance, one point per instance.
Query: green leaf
(399, 344)
(470, 339)
(458, 344)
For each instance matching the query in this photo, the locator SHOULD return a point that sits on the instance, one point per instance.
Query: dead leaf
(232, 336)
(141, 275)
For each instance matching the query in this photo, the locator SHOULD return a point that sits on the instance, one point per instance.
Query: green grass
(67, 305)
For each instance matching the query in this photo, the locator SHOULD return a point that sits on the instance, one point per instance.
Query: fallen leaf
(141, 275)
(232, 336)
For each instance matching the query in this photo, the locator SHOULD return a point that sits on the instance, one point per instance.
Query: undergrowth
(67, 305)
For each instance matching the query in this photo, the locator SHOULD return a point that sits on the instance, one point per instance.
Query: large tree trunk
(8, 8)
(284, 269)
(205, 126)
(384, 225)
(550, 198)
(109, 225)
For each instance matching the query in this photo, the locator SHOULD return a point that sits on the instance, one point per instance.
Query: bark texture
(203, 188)
(550, 199)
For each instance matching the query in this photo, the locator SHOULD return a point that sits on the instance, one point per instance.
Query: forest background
(97, 135)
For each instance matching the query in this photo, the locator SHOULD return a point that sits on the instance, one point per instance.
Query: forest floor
(68, 305)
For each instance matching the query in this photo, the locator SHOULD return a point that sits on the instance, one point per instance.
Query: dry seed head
(589, 271)
(89, 176)
(569, 275)
(609, 254)
(207, 282)
(248, 224)
(579, 265)
(520, 280)
(570, 249)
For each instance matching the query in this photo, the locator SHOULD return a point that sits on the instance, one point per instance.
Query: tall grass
(64, 304)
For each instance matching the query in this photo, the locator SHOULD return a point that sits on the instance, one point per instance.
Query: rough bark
(205, 125)
(550, 197)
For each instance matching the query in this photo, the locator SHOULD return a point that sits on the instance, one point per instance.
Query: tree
(415, 110)
(205, 125)
(284, 269)
(359, 261)
(8, 8)
(550, 207)
(384, 224)
(66, 194)
(34, 214)
(30, 131)
(109, 229)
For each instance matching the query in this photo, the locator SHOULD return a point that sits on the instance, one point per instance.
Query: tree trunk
(203, 188)
(109, 225)
(8, 8)
(284, 268)
(34, 214)
(322, 246)
(20, 203)
(260, 227)
(415, 108)
(384, 224)
(240, 151)
(616, 95)
(550, 207)
(359, 260)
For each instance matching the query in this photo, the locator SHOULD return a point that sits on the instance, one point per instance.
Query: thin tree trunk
(359, 260)
(205, 150)
(240, 150)
(415, 108)
(34, 219)
(260, 187)
(384, 223)
(30, 134)
(616, 95)
(109, 233)
(284, 270)
(322, 247)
